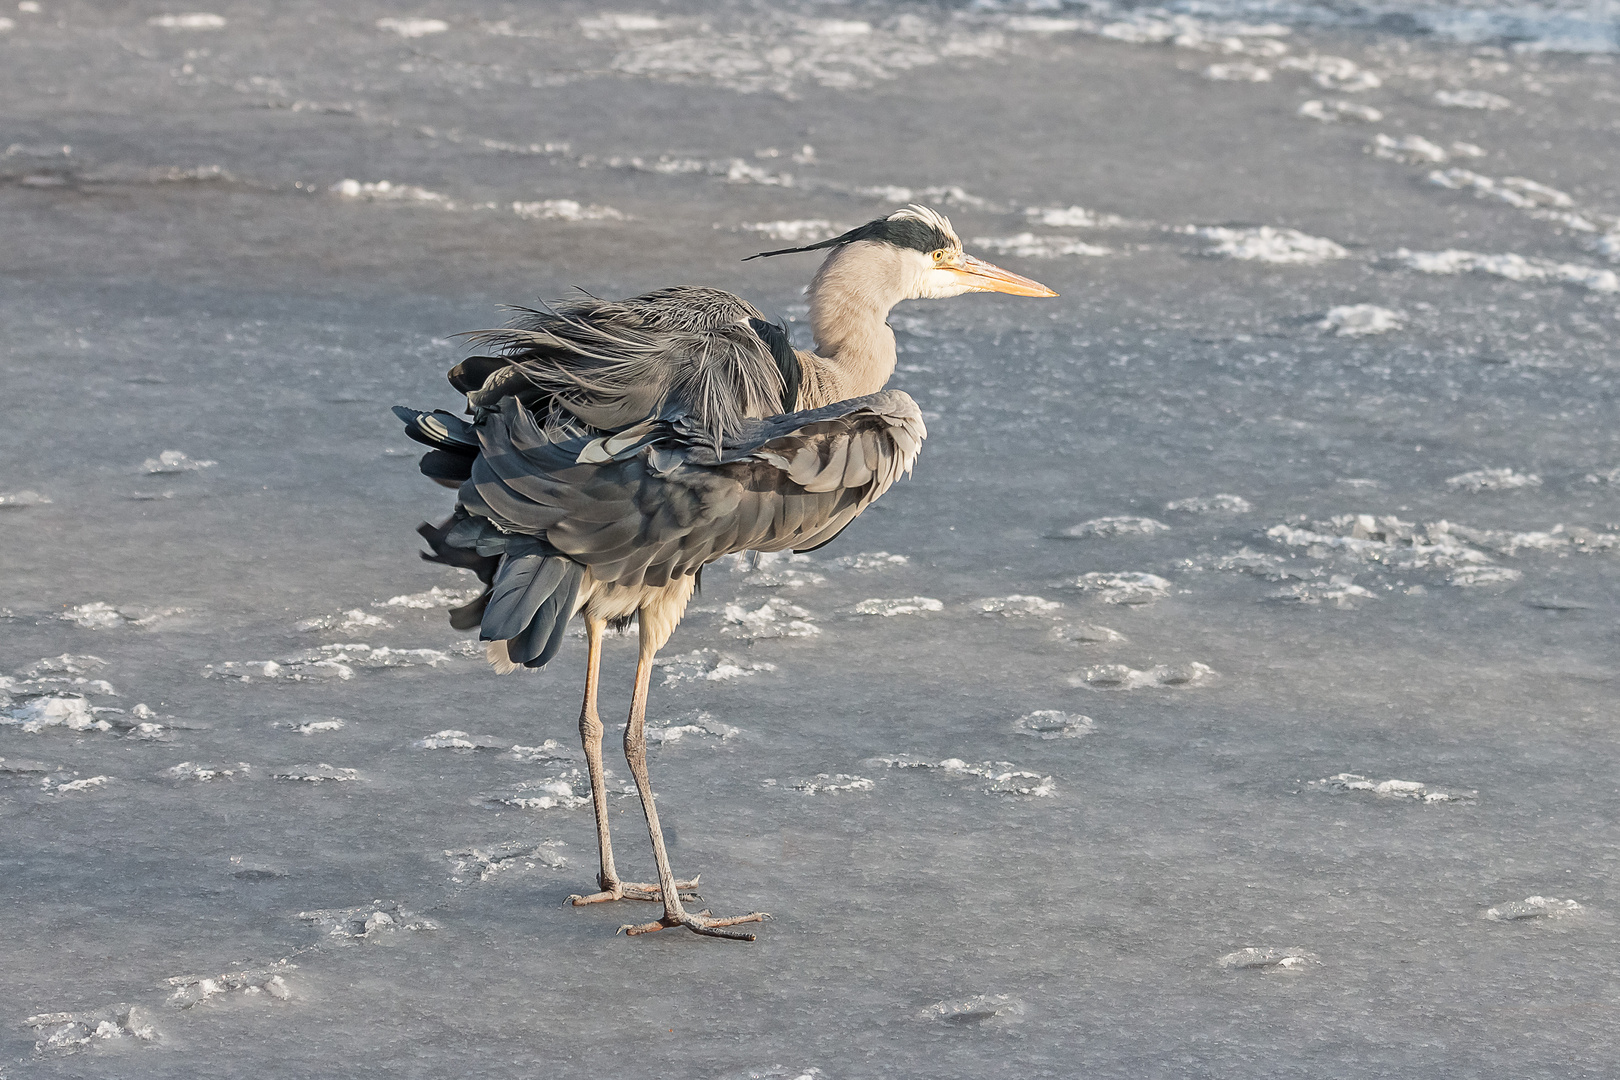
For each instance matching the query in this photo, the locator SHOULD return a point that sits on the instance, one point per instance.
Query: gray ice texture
(1231, 692)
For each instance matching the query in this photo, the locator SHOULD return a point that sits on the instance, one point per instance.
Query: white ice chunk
(1018, 606)
(1288, 247)
(173, 461)
(315, 727)
(1492, 480)
(776, 618)
(366, 922)
(14, 500)
(1407, 148)
(1029, 246)
(909, 605)
(316, 774)
(1532, 907)
(194, 20)
(832, 782)
(1072, 217)
(1212, 504)
(1001, 777)
(797, 231)
(190, 770)
(1055, 724)
(1242, 71)
(1329, 112)
(1132, 587)
(1471, 99)
(489, 861)
(1361, 320)
(707, 665)
(190, 990)
(566, 210)
(1116, 526)
(1268, 958)
(1393, 789)
(66, 1031)
(868, 561)
(433, 598)
(1511, 266)
(413, 27)
(1125, 677)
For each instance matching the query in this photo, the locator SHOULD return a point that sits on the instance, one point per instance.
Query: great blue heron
(617, 447)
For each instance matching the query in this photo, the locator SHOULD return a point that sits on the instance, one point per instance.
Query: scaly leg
(635, 752)
(590, 735)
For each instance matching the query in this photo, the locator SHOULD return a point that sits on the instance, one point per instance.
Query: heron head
(919, 245)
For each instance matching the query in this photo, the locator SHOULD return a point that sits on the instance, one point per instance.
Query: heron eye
(939, 256)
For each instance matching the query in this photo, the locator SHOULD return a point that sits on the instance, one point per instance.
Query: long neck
(850, 300)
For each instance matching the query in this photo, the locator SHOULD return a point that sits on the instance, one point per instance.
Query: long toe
(701, 922)
(636, 890)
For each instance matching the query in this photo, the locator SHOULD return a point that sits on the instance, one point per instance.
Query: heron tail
(530, 603)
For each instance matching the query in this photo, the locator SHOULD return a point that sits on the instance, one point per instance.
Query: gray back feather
(614, 363)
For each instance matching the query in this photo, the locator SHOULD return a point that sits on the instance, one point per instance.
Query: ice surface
(1288, 247)
(1393, 789)
(1361, 320)
(1055, 724)
(1125, 677)
(1134, 587)
(908, 605)
(1117, 526)
(1029, 246)
(1532, 907)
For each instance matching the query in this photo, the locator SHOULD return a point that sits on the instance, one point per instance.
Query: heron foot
(702, 922)
(635, 890)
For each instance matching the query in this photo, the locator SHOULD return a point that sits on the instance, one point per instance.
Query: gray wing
(656, 501)
(612, 363)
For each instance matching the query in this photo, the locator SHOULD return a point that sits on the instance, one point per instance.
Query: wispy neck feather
(850, 300)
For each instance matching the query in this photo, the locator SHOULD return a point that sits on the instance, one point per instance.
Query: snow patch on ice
(173, 461)
(1392, 789)
(367, 922)
(1211, 504)
(315, 727)
(315, 774)
(1330, 112)
(1001, 777)
(1018, 606)
(1072, 217)
(346, 622)
(1492, 480)
(194, 20)
(1116, 526)
(1268, 959)
(1055, 724)
(190, 770)
(270, 982)
(1124, 677)
(1511, 266)
(776, 618)
(69, 1032)
(410, 27)
(1029, 246)
(974, 1011)
(433, 598)
(866, 562)
(17, 500)
(828, 782)
(489, 862)
(1361, 320)
(908, 605)
(1284, 247)
(1086, 633)
(1471, 99)
(1241, 71)
(701, 725)
(566, 210)
(89, 783)
(1407, 148)
(707, 665)
(1132, 587)
(1532, 907)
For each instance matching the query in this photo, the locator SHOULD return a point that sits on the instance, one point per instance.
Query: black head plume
(915, 227)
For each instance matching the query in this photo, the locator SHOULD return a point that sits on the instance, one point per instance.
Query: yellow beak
(981, 276)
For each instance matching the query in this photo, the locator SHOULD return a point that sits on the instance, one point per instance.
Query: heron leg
(635, 752)
(590, 735)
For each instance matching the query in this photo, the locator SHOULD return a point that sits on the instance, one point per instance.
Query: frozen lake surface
(1231, 692)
